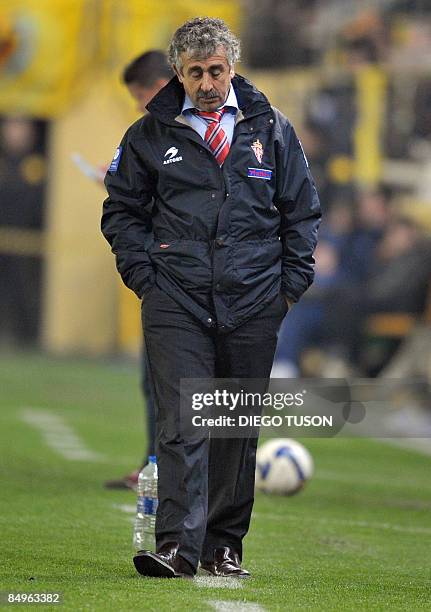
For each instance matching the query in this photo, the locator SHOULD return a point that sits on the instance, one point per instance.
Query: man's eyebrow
(212, 67)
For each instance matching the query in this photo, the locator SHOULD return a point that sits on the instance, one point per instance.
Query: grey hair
(201, 37)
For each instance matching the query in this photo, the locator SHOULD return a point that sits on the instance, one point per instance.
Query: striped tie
(215, 135)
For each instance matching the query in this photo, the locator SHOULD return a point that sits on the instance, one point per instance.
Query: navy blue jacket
(222, 242)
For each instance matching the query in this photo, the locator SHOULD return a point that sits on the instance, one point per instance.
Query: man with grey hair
(212, 215)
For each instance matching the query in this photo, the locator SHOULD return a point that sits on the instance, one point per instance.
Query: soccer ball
(282, 466)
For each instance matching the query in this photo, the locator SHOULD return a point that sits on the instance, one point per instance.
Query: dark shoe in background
(127, 482)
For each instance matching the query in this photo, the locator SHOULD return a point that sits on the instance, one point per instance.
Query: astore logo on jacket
(172, 152)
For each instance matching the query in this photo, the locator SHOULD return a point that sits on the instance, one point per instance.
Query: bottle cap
(152, 459)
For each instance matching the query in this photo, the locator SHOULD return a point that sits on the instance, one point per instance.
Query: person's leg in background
(130, 481)
(150, 406)
(299, 331)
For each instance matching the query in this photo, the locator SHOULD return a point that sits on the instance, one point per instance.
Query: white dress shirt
(227, 121)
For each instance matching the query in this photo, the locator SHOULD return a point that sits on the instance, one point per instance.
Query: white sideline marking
(337, 477)
(235, 606)
(59, 435)
(128, 508)
(218, 582)
(365, 524)
(419, 445)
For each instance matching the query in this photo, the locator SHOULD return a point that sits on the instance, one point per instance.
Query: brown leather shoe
(163, 564)
(226, 563)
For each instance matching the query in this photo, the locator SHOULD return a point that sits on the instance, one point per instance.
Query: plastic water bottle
(144, 536)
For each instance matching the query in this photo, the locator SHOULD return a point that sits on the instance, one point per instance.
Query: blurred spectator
(145, 76)
(303, 327)
(330, 115)
(365, 39)
(338, 229)
(398, 282)
(22, 189)
(314, 140)
(22, 173)
(370, 217)
(360, 52)
(345, 260)
(422, 109)
(276, 35)
(402, 270)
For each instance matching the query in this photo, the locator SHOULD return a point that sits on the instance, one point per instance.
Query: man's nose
(206, 84)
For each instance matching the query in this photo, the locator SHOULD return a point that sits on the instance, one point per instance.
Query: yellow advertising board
(49, 51)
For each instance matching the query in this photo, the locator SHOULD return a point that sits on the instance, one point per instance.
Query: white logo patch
(172, 152)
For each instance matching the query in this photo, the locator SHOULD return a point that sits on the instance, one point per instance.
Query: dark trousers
(206, 487)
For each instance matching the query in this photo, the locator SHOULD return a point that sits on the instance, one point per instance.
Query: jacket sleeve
(126, 218)
(298, 203)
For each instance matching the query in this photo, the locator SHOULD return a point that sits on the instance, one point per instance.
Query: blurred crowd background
(355, 80)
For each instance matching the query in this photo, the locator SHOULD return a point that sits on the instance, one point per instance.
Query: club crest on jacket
(258, 150)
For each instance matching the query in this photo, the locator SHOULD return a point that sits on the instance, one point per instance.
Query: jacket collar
(167, 104)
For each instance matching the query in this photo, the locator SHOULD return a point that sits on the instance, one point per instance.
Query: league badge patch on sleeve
(116, 160)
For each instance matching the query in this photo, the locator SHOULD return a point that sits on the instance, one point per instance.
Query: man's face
(206, 80)
(143, 95)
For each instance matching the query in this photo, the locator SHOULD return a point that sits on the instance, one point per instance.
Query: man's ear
(231, 72)
(178, 73)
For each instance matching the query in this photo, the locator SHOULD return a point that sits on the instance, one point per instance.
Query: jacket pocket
(256, 254)
(187, 262)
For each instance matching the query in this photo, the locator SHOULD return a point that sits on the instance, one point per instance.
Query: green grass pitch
(357, 538)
